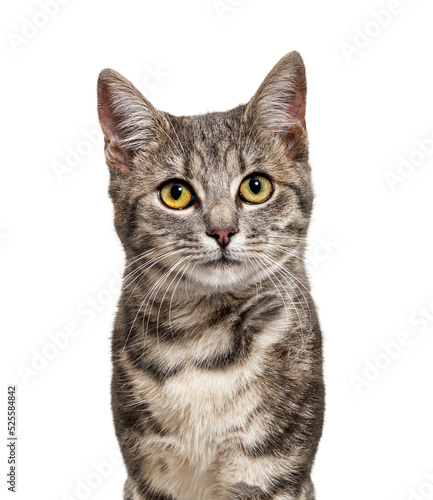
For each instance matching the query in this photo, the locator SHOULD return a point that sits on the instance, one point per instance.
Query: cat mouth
(223, 260)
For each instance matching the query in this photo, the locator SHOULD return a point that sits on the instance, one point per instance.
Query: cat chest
(217, 385)
(201, 410)
(202, 404)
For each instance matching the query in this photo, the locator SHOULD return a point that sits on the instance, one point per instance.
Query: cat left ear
(279, 105)
(128, 121)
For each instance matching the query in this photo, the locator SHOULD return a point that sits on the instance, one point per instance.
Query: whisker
(240, 133)
(249, 134)
(178, 140)
(290, 276)
(161, 281)
(283, 269)
(251, 260)
(289, 251)
(142, 303)
(142, 267)
(147, 252)
(278, 290)
(174, 291)
(167, 289)
(161, 128)
(295, 277)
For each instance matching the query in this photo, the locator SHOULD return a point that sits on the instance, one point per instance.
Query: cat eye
(177, 194)
(255, 188)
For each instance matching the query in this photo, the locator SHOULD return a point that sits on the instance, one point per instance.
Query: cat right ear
(127, 119)
(279, 104)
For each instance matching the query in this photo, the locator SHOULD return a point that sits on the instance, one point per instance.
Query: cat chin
(221, 276)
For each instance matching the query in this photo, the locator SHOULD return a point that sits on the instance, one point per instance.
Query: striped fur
(217, 389)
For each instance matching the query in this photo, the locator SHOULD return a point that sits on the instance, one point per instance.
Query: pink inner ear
(300, 109)
(119, 158)
(115, 153)
(297, 108)
(295, 140)
(105, 116)
(107, 127)
(293, 132)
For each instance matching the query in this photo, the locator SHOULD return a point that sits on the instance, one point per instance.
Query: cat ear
(279, 104)
(128, 121)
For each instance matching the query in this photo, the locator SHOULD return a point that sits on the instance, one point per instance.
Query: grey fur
(217, 389)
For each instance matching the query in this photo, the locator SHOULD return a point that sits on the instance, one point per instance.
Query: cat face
(223, 198)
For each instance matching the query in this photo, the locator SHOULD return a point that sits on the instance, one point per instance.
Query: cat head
(223, 198)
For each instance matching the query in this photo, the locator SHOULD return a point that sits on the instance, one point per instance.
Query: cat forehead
(221, 124)
(213, 146)
(217, 174)
(210, 173)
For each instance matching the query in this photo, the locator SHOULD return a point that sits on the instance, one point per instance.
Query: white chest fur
(202, 410)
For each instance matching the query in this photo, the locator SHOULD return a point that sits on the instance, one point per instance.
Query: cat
(217, 387)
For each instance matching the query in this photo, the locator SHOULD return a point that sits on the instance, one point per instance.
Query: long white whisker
(140, 270)
(295, 277)
(168, 287)
(289, 297)
(286, 274)
(276, 288)
(147, 252)
(174, 291)
(139, 309)
(161, 281)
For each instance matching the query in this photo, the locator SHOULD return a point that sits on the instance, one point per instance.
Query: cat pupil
(176, 191)
(255, 186)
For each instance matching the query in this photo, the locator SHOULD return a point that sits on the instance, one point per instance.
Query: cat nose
(222, 236)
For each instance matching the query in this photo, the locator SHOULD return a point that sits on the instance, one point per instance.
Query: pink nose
(222, 236)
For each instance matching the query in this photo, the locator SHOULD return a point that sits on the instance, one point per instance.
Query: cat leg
(242, 491)
(132, 492)
(259, 474)
(129, 492)
(306, 493)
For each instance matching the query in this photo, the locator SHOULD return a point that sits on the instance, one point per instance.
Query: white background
(370, 104)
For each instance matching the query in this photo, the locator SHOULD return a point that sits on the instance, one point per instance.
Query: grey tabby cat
(217, 388)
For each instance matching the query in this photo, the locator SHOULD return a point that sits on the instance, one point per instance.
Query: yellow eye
(176, 194)
(255, 189)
